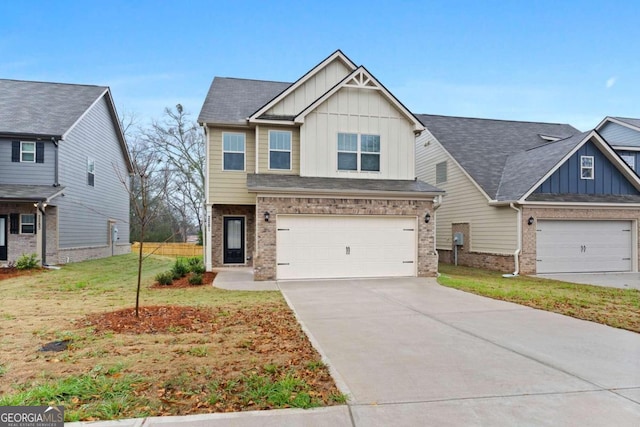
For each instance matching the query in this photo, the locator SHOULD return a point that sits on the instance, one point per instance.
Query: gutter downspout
(516, 254)
(437, 202)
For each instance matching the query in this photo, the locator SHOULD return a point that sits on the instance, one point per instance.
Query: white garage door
(328, 246)
(583, 246)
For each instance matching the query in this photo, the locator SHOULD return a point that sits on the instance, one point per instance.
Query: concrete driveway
(612, 280)
(411, 352)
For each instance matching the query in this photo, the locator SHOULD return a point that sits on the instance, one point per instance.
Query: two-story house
(623, 134)
(62, 162)
(316, 178)
(526, 197)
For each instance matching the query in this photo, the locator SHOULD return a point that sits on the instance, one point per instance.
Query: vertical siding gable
(607, 178)
(619, 135)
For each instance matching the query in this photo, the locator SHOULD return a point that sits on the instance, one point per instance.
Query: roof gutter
(516, 254)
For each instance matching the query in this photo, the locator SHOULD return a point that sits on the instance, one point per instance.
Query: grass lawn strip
(615, 307)
(204, 349)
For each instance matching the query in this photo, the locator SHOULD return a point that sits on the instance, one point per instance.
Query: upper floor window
(27, 224)
(28, 152)
(91, 172)
(358, 152)
(586, 167)
(279, 149)
(630, 160)
(233, 151)
(441, 172)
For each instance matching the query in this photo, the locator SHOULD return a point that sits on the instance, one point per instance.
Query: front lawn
(619, 308)
(196, 349)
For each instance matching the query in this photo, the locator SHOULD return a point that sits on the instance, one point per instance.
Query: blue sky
(559, 61)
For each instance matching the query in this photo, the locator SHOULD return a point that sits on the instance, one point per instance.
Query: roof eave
(343, 192)
(23, 135)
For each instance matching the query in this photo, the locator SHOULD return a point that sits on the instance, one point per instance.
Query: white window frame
(584, 168)
(243, 152)
(91, 170)
(630, 160)
(359, 152)
(290, 150)
(23, 223)
(23, 152)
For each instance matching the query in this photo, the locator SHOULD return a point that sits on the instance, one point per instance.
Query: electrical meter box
(458, 239)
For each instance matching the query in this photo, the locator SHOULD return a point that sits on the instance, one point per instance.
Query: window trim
(591, 168)
(244, 152)
(23, 152)
(22, 223)
(290, 150)
(90, 172)
(359, 153)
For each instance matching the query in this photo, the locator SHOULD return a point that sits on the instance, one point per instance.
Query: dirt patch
(10, 272)
(183, 282)
(152, 320)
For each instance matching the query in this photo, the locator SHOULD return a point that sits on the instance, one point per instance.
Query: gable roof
(624, 121)
(231, 101)
(482, 146)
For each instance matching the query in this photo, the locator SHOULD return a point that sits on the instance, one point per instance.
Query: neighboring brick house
(62, 154)
(315, 179)
(531, 197)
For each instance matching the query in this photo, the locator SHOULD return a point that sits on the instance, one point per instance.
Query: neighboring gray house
(62, 157)
(624, 136)
(532, 197)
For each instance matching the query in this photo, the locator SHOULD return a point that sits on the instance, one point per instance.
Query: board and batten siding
(25, 172)
(618, 135)
(311, 90)
(493, 229)
(263, 150)
(361, 111)
(230, 187)
(84, 211)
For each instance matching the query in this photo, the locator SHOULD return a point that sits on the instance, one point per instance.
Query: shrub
(27, 262)
(198, 269)
(194, 261)
(165, 278)
(195, 279)
(180, 268)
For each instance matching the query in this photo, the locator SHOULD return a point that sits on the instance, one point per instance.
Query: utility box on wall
(458, 239)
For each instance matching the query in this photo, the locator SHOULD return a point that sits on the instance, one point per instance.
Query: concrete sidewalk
(241, 279)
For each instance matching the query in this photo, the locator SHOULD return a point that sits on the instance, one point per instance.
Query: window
(233, 151)
(441, 172)
(27, 224)
(279, 149)
(358, 152)
(629, 159)
(586, 167)
(91, 172)
(28, 152)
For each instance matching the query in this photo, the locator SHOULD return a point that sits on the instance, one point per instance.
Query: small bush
(165, 278)
(193, 261)
(195, 279)
(198, 269)
(180, 268)
(27, 262)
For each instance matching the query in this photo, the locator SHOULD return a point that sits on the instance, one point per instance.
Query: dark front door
(233, 240)
(3, 237)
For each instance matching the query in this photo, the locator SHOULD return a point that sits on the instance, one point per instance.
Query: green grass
(619, 308)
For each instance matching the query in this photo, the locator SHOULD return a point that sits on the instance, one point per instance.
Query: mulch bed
(207, 279)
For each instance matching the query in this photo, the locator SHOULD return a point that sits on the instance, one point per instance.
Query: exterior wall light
(530, 221)
(266, 216)
(427, 217)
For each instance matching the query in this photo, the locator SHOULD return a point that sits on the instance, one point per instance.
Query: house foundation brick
(265, 260)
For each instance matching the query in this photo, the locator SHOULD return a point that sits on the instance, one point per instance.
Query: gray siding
(26, 173)
(84, 210)
(618, 135)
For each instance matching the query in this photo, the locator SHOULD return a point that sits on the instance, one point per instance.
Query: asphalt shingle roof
(632, 122)
(39, 108)
(231, 101)
(483, 146)
(35, 193)
(302, 183)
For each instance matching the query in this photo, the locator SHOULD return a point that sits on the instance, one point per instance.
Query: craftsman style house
(316, 178)
(534, 197)
(62, 157)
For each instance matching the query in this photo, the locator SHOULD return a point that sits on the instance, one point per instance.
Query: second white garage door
(328, 246)
(583, 246)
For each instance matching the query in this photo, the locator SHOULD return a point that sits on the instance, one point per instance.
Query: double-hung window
(91, 172)
(586, 167)
(28, 152)
(27, 224)
(279, 150)
(358, 152)
(233, 151)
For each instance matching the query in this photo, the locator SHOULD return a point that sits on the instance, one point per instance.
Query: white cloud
(611, 82)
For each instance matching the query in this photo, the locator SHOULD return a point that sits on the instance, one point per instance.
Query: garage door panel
(330, 246)
(565, 246)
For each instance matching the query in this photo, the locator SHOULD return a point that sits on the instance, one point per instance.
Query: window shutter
(14, 222)
(39, 152)
(15, 151)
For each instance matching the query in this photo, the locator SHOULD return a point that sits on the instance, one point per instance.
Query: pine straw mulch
(183, 282)
(10, 272)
